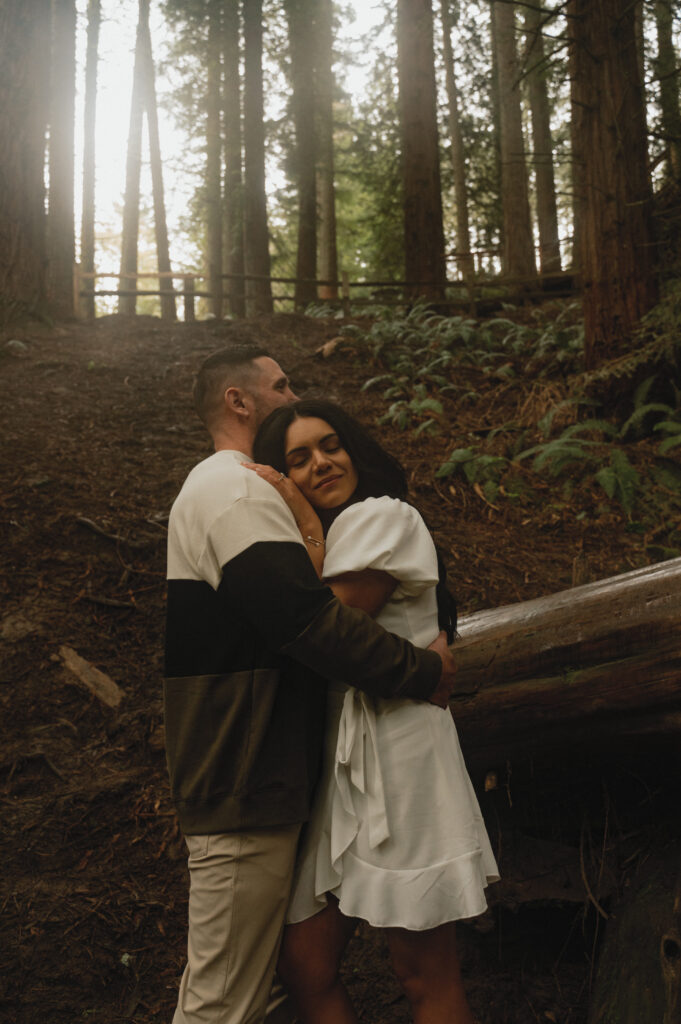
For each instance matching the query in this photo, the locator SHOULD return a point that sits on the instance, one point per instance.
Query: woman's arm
(305, 516)
(368, 589)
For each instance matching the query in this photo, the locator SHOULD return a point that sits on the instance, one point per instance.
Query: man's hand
(445, 688)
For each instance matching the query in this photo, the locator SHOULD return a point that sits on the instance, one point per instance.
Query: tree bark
(576, 134)
(300, 15)
(518, 244)
(547, 213)
(87, 224)
(465, 262)
(425, 265)
(666, 72)
(616, 260)
(24, 68)
(327, 259)
(213, 205)
(638, 980)
(600, 660)
(256, 234)
(131, 202)
(168, 309)
(60, 217)
(233, 206)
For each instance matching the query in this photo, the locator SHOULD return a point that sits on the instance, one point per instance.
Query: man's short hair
(229, 367)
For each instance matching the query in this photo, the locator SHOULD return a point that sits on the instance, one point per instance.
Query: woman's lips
(327, 482)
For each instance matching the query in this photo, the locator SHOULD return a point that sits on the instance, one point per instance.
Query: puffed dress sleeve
(385, 534)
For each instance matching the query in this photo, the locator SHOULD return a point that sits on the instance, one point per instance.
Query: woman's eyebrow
(304, 447)
(294, 451)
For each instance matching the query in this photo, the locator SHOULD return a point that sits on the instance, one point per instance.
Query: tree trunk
(256, 235)
(60, 217)
(233, 204)
(131, 202)
(301, 34)
(24, 67)
(547, 213)
(667, 75)
(213, 205)
(518, 250)
(168, 310)
(465, 264)
(87, 224)
(616, 261)
(327, 259)
(576, 134)
(599, 661)
(425, 264)
(638, 980)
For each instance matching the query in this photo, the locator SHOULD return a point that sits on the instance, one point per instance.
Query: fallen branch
(117, 538)
(101, 685)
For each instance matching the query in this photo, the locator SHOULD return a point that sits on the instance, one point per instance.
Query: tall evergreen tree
(616, 259)
(465, 262)
(168, 310)
(87, 228)
(301, 24)
(233, 202)
(424, 245)
(518, 251)
(213, 189)
(327, 256)
(133, 168)
(667, 73)
(24, 68)
(256, 234)
(542, 156)
(60, 218)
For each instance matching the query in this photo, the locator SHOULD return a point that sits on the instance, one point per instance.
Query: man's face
(269, 389)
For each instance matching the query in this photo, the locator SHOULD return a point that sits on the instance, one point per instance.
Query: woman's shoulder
(380, 533)
(370, 508)
(382, 518)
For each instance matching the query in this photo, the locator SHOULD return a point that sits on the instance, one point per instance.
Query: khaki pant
(239, 890)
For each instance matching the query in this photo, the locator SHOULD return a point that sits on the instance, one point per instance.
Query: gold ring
(281, 477)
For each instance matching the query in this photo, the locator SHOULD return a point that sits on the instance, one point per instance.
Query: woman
(396, 837)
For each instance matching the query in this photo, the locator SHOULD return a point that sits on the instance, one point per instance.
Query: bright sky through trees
(116, 55)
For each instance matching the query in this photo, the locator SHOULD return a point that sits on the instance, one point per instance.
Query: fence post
(188, 293)
(345, 292)
(76, 291)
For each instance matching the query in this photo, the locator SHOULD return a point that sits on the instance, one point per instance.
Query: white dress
(396, 832)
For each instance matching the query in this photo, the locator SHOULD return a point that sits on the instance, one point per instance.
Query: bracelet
(317, 543)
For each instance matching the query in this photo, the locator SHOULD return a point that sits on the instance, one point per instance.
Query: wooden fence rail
(473, 295)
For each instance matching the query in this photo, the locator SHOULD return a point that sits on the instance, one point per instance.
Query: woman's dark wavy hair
(378, 472)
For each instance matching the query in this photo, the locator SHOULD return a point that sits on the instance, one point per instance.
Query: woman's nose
(320, 461)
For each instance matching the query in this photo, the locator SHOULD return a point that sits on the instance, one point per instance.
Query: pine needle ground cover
(99, 434)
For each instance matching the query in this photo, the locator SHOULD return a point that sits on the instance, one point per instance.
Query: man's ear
(234, 401)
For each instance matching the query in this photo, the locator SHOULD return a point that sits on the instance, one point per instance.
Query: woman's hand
(303, 512)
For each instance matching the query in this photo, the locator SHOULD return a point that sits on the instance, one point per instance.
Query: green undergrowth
(435, 372)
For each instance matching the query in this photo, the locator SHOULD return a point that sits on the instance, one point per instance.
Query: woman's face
(318, 464)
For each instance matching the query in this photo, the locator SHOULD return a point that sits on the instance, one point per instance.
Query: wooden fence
(478, 294)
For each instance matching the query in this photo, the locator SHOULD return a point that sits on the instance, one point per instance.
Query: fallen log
(593, 662)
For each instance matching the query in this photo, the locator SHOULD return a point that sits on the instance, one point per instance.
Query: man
(251, 633)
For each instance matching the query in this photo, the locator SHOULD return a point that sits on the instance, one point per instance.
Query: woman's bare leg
(427, 967)
(309, 961)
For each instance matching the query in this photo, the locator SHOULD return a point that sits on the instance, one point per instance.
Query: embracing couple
(308, 676)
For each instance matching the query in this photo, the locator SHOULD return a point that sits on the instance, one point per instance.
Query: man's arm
(274, 585)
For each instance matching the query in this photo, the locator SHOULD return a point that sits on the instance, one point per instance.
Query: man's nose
(291, 396)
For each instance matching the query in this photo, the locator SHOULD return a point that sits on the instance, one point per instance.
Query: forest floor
(98, 434)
